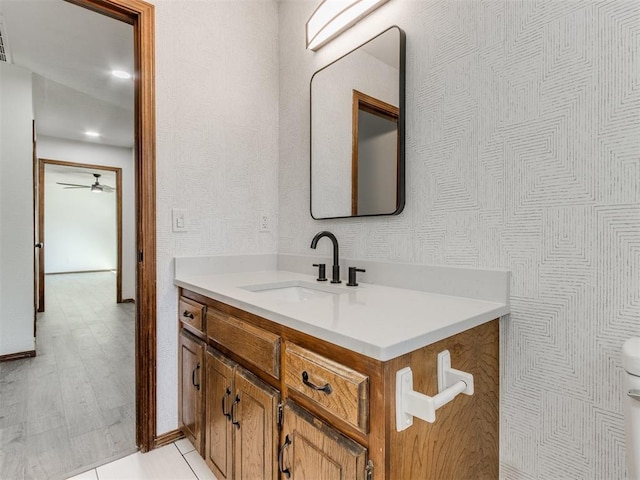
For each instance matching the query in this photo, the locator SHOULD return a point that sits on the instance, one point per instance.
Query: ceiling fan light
(96, 188)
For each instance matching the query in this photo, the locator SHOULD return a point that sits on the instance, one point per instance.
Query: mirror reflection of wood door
(375, 143)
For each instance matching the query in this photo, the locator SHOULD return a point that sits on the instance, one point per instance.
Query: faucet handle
(352, 276)
(322, 272)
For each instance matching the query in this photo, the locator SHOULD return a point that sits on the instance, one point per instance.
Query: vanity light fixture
(332, 17)
(91, 133)
(121, 74)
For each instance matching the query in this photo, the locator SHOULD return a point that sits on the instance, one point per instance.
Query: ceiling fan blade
(73, 185)
(73, 188)
(107, 188)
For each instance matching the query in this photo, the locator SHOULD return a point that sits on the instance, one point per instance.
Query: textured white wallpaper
(217, 146)
(523, 152)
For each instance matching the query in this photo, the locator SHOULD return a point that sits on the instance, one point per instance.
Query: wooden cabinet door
(219, 446)
(190, 405)
(254, 423)
(312, 450)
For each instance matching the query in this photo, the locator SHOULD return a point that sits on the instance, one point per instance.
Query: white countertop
(378, 321)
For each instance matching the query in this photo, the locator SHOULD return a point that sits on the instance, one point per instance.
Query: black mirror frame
(400, 192)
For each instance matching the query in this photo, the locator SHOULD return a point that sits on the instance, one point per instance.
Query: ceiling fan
(96, 187)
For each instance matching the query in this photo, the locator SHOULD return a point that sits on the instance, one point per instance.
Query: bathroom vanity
(281, 377)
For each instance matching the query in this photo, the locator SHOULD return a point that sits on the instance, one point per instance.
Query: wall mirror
(357, 131)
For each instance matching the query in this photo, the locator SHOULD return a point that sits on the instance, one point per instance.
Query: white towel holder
(409, 403)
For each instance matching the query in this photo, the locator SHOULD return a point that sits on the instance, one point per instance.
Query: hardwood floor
(73, 405)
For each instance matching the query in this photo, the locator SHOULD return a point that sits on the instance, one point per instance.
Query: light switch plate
(179, 220)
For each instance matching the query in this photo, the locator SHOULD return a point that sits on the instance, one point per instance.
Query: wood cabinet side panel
(463, 441)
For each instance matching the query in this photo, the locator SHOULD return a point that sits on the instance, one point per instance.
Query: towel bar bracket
(409, 403)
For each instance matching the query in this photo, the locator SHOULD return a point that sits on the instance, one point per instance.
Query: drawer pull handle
(188, 314)
(225, 410)
(233, 412)
(326, 388)
(284, 471)
(193, 377)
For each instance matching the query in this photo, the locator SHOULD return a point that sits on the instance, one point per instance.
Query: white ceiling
(71, 51)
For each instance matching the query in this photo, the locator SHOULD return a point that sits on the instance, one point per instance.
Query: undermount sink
(293, 290)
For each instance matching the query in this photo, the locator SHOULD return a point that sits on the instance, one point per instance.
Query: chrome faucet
(336, 264)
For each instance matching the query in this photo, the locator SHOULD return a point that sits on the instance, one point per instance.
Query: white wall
(80, 226)
(84, 152)
(16, 211)
(523, 140)
(217, 147)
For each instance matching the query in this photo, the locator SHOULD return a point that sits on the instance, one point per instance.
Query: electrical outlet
(265, 223)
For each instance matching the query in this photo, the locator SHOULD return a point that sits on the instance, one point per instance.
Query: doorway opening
(140, 16)
(90, 240)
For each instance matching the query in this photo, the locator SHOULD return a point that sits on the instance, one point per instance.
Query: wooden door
(254, 423)
(219, 446)
(312, 450)
(191, 411)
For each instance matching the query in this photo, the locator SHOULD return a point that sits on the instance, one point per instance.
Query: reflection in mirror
(357, 131)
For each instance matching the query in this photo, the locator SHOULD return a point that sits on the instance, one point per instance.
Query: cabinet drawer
(191, 313)
(253, 344)
(336, 388)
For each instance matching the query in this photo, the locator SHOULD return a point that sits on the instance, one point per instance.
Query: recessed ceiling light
(90, 133)
(120, 74)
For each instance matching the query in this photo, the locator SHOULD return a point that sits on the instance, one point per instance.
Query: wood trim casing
(141, 15)
(41, 237)
(168, 437)
(16, 356)
(375, 106)
(38, 292)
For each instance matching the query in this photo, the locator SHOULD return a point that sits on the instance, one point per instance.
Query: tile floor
(178, 461)
(73, 405)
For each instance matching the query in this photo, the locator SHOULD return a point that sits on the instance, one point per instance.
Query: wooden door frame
(141, 16)
(374, 106)
(42, 162)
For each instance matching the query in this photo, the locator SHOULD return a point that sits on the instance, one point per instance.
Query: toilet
(631, 400)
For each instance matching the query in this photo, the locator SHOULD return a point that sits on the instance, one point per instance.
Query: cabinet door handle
(233, 412)
(187, 314)
(225, 411)
(285, 471)
(193, 377)
(326, 388)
